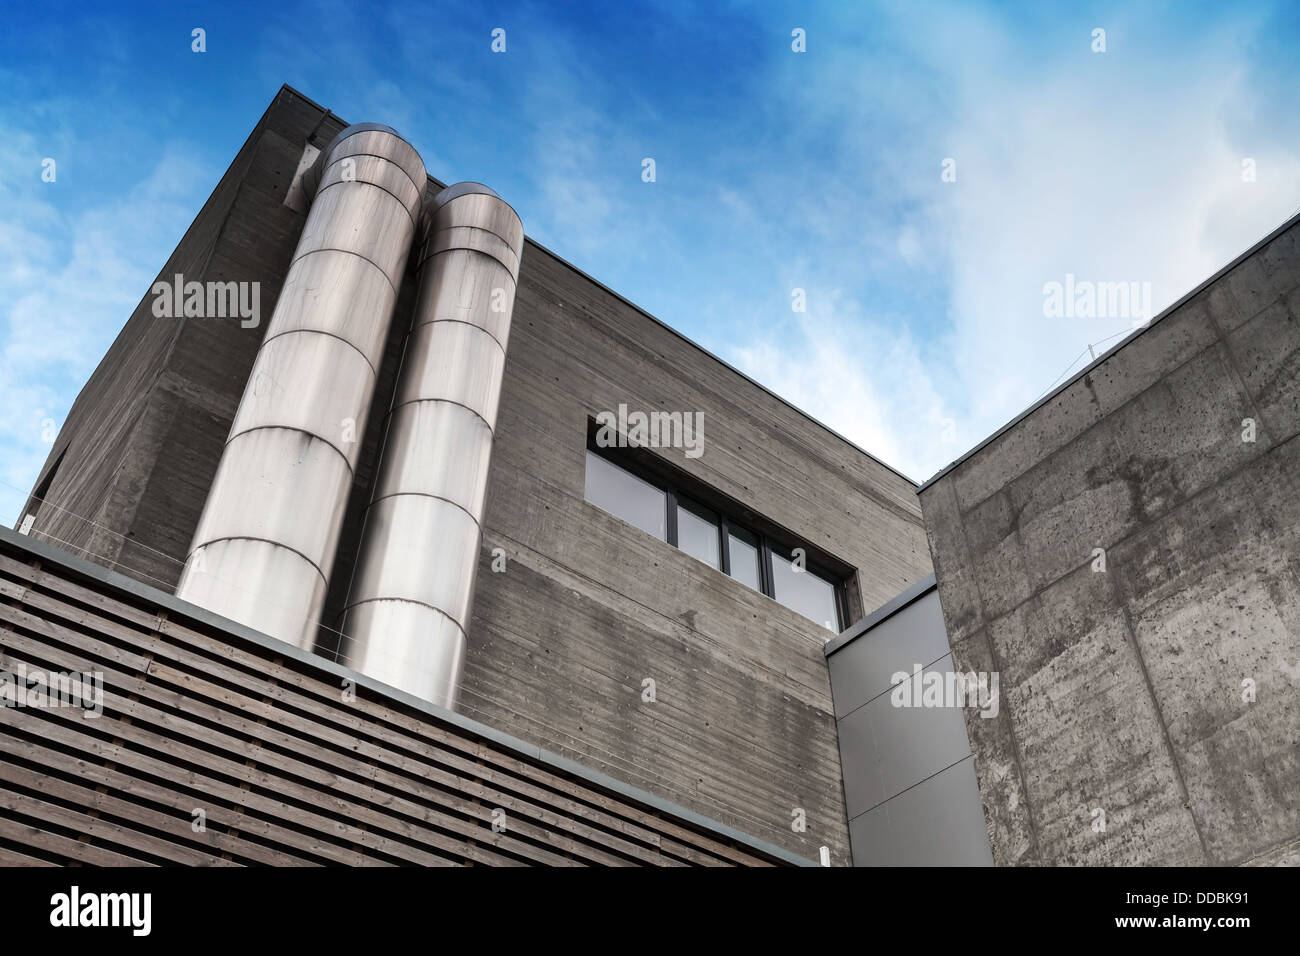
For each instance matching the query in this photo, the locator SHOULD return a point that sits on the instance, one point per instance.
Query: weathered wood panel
(288, 762)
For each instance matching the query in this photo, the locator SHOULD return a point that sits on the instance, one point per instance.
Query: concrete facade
(588, 607)
(1162, 691)
(591, 606)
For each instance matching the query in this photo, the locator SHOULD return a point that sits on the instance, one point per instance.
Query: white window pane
(805, 592)
(744, 562)
(697, 536)
(625, 495)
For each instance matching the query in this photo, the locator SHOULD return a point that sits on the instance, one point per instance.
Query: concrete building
(423, 546)
(635, 610)
(1125, 555)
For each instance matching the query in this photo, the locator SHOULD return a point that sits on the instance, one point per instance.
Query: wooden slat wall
(285, 770)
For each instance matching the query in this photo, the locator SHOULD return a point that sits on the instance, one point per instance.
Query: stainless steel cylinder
(409, 605)
(264, 546)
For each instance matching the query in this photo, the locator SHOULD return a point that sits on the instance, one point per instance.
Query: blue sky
(776, 170)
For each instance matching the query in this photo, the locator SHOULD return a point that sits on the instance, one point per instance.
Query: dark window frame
(676, 484)
(839, 586)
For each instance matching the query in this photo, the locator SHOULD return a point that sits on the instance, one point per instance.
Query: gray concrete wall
(590, 607)
(1162, 691)
(742, 730)
(909, 776)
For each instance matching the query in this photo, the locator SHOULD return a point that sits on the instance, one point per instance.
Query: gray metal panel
(227, 562)
(339, 294)
(891, 607)
(938, 822)
(886, 749)
(410, 646)
(309, 382)
(415, 549)
(437, 448)
(860, 669)
(276, 484)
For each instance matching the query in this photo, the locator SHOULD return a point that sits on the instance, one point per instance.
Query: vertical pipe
(264, 546)
(409, 605)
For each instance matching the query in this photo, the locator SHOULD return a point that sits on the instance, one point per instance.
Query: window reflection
(804, 592)
(744, 555)
(697, 532)
(623, 494)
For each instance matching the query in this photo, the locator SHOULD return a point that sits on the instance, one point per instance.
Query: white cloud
(73, 272)
(1111, 167)
(862, 378)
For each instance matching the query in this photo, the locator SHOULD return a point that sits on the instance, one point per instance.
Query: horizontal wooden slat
(119, 756)
(255, 683)
(11, 857)
(286, 771)
(332, 780)
(218, 818)
(142, 731)
(74, 851)
(104, 831)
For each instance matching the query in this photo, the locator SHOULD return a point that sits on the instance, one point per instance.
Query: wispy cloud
(775, 170)
(73, 272)
(1112, 167)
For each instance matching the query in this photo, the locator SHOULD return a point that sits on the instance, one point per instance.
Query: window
(623, 494)
(803, 591)
(697, 532)
(746, 559)
(758, 561)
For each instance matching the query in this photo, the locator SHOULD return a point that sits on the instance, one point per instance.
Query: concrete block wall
(1164, 691)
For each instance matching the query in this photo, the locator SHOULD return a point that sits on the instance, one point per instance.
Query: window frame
(839, 587)
(669, 519)
(687, 503)
(678, 486)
